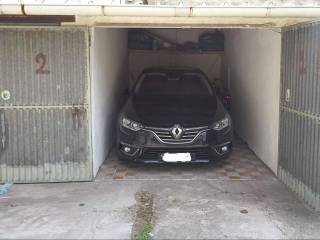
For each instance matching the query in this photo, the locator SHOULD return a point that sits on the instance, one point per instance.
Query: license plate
(176, 157)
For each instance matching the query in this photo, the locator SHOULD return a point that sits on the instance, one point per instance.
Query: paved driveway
(238, 198)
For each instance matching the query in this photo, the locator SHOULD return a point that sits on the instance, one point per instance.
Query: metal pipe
(63, 10)
(159, 11)
(10, 9)
(147, 11)
(230, 12)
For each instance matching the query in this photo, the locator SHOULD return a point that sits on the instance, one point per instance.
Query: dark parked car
(174, 115)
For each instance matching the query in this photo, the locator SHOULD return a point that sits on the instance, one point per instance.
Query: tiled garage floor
(243, 164)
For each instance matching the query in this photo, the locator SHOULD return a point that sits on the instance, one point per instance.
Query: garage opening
(244, 64)
(241, 63)
(59, 110)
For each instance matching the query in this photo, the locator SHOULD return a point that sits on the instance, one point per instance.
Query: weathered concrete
(236, 3)
(183, 209)
(212, 210)
(195, 206)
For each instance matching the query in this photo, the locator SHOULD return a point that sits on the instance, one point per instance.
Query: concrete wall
(253, 57)
(109, 79)
(236, 3)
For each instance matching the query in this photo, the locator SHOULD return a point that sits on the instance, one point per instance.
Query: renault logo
(176, 131)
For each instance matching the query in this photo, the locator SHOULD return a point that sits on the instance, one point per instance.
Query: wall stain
(4, 134)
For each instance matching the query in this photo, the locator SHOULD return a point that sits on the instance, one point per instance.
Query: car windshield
(173, 84)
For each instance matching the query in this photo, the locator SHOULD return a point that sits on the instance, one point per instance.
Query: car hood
(165, 111)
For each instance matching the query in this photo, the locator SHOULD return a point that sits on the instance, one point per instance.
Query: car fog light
(127, 149)
(224, 149)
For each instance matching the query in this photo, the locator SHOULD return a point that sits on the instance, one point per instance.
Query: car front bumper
(145, 146)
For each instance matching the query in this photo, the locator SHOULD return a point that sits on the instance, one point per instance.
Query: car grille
(197, 154)
(188, 135)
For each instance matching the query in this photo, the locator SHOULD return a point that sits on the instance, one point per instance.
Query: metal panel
(44, 145)
(44, 66)
(44, 129)
(300, 68)
(299, 146)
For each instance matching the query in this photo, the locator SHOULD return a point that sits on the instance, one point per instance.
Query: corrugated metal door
(44, 133)
(299, 150)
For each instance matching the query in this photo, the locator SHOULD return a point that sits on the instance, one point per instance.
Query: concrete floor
(194, 206)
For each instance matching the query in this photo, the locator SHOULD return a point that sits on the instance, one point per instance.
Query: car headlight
(219, 125)
(132, 125)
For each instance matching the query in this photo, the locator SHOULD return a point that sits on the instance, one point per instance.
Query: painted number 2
(41, 60)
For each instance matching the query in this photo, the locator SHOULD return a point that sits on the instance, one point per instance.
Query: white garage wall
(109, 79)
(253, 57)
